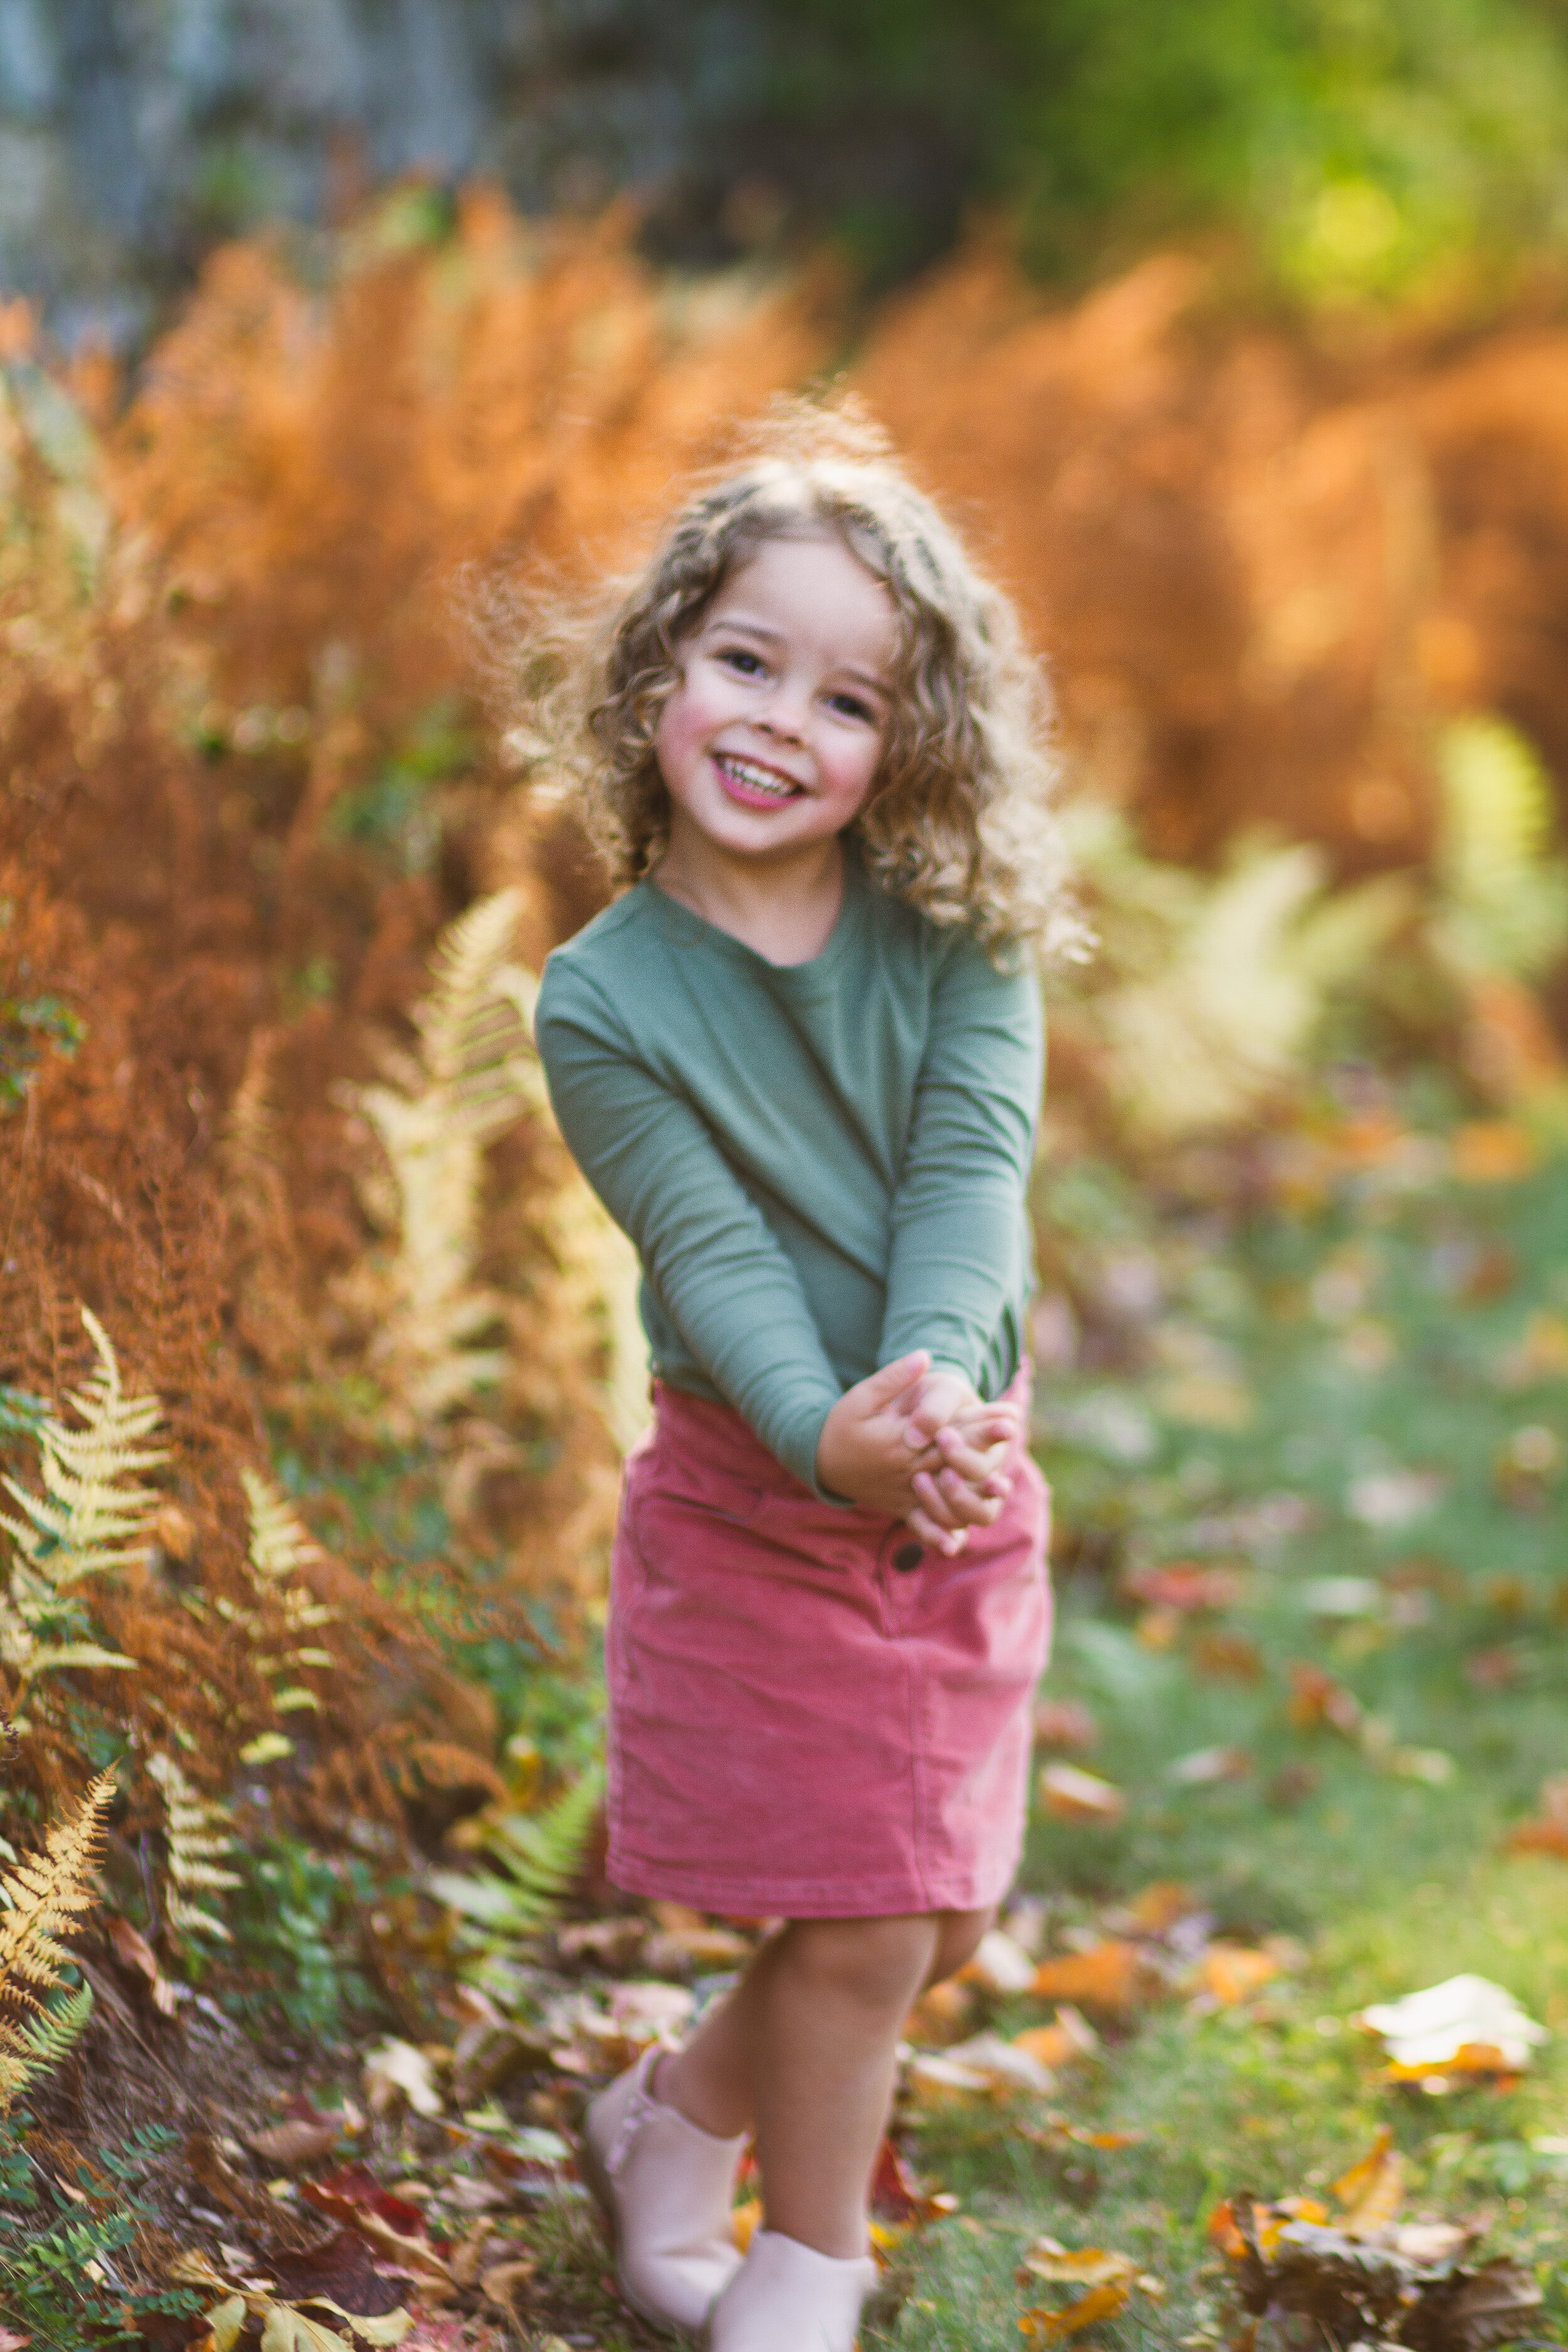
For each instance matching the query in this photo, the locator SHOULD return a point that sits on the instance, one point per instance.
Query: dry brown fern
(45, 1895)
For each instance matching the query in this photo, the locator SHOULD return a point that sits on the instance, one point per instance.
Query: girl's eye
(738, 657)
(850, 706)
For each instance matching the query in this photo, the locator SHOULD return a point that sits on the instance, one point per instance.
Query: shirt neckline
(695, 930)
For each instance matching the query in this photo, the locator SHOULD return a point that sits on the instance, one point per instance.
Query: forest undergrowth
(316, 1359)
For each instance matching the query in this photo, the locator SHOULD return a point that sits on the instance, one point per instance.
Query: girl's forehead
(808, 578)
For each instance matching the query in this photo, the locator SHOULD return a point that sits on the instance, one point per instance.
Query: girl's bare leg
(802, 2052)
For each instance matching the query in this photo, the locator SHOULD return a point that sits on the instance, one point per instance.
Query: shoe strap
(638, 2108)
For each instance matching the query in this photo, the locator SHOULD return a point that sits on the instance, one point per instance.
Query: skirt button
(907, 1558)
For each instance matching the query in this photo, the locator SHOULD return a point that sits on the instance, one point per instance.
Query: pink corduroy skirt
(812, 1715)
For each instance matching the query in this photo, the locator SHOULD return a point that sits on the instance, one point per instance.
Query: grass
(1387, 1330)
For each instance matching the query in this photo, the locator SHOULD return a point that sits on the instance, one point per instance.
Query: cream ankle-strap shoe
(666, 2189)
(786, 2297)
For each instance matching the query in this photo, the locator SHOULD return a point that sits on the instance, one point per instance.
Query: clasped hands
(914, 1441)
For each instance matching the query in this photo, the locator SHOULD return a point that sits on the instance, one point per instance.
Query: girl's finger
(949, 1542)
(933, 1501)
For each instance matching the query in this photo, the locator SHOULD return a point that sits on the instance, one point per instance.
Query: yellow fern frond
(282, 1546)
(45, 1895)
(1503, 904)
(89, 1519)
(475, 1072)
(198, 1834)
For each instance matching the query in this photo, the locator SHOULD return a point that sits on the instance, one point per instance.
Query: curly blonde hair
(958, 822)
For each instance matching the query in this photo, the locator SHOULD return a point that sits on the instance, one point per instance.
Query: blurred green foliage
(1370, 148)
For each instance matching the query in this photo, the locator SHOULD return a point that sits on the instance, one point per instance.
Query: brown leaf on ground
(344, 2269)
(1186, 1584)
(1114, 1975)
(1549, 1832)
(1064, 1723)
(1318, 1700)
(136, 1956)
(506, 2284)
(304, 2135)
(396, 2240)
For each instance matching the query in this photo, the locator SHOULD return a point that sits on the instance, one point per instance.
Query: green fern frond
(542, 1855)
(198, 1833)
(88, 1519)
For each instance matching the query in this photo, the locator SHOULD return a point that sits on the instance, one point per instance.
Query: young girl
(799, 1059)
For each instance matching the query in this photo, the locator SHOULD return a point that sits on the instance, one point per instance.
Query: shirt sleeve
(958, 1259)
(705, 1246)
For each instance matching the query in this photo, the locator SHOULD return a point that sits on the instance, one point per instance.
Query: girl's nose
(785, 714)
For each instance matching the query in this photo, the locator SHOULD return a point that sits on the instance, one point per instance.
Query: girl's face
(773, 738)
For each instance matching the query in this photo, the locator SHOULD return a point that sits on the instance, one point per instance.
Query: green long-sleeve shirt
(822, 1165)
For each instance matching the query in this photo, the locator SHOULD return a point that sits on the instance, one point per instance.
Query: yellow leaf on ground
(745, 2222)
(1084, 2266)
(1232, 1973)
(1109, 1976)
(1373, 2190)
(1042, 2326)
(1069, 2036)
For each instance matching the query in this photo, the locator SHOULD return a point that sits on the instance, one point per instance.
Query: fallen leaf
(745, 2222)
(226, 2320)
(1493, 1152)
(1160, 1905)
(1042, 2326)
(1186, 1584)
(1069, 2036)
(1466, 2024)
(343, 2272)
(898, 2196)
(1002, 2064)
(1206, 1765)
(11, 2342)
(935, 2080)
(940, 2015)
(287, 2330)
(135, 1954)
(1373, 2190)
(301, 2139)
(999, 1965)
(1228, 1658)
(504, 2282)
(1317, 1699)
(1232, 1973)
(1064, 1723)
(1086, 2266)
(397, 2071)
(411, 2253)
(1073, 1795)
(1114, 1975)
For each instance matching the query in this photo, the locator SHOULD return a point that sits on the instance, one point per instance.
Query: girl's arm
(960, 1250)
(704, 1244)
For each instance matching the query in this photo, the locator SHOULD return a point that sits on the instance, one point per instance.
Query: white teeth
(757, 779)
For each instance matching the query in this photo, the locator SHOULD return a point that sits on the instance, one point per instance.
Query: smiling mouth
(752, 785)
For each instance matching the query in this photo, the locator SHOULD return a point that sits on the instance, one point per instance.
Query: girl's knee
(957, 1935)
(878, 1963)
